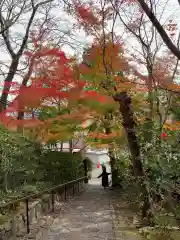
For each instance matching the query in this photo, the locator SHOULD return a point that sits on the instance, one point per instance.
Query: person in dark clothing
(104, 175)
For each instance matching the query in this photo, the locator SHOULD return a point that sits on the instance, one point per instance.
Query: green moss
(4, 218)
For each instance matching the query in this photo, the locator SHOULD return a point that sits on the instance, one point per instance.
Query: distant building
(98, 156)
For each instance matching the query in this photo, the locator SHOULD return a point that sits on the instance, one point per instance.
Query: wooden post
(14, 227)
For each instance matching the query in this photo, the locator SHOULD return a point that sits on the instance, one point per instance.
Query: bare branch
(11, 18)
(5, 35)
(159, 28)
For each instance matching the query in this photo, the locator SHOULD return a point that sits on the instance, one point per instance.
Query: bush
(25, 167)
(60, 167)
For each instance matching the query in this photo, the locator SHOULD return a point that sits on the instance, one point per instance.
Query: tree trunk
(7, 83)
(71, 146)
(24, 84)
(114, 170)
(6, 182)
(61, 148)
(85, 170)
(129, 126)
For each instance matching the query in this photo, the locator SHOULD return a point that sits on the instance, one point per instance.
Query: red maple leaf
(164, 135)
(85, 14)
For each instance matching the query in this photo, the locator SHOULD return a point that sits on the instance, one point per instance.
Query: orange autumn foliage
(105, 58)
(104, 136)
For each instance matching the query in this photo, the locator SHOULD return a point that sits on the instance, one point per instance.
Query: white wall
(97, 157)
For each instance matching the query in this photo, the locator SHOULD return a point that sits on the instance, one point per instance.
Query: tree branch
(159, 28)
